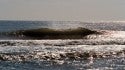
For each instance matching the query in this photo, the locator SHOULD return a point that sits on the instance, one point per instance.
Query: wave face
(104, 50)
(45, 33)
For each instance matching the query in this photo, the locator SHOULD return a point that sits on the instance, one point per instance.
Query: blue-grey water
(96, 52)
(23, 25)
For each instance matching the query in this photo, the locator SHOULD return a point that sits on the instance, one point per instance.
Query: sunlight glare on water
(105, 51)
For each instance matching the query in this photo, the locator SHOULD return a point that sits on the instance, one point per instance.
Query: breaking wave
(103, 44)
(46, 33)
(62, 45)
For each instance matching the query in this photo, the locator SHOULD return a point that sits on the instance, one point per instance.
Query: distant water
(23, 25)
(104, 51)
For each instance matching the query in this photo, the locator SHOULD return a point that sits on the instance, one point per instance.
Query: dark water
(95, 52)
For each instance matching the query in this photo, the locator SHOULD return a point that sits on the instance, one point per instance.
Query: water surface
(104, 51)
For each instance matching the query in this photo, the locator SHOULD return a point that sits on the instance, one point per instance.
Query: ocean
(62, 45)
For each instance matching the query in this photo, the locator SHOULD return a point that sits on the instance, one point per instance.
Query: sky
(63, 10)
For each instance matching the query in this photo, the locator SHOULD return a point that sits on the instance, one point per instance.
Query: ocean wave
(46, 33)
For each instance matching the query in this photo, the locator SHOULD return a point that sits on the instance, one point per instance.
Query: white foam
(53, 48)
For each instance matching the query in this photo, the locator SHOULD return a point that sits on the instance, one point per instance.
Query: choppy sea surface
(104, 51)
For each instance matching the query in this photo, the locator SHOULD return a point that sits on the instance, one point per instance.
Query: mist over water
(96, 51)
